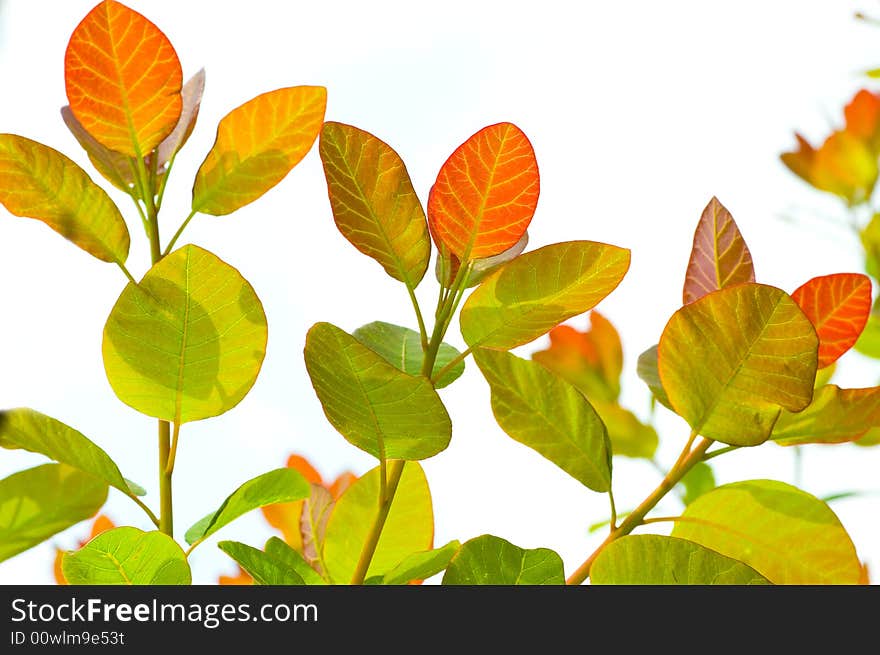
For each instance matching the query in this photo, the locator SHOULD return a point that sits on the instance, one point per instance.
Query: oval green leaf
(408, 529)
(39, 502)
(489, 560)
(648, 371)
(39, 182)
(187, 342)
(374, 405)
(262, 567)
(539, 290)
(657, 560)
(835, 416)
(283, 553)
(787, 535)
(420, 566)
(628, 435)
(402, 348)
(544, 412)
(127, 556)
(731, 361)
(374, 204)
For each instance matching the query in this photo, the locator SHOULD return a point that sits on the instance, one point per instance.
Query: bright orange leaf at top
(485, 194)
(838, 306)
(123, 79)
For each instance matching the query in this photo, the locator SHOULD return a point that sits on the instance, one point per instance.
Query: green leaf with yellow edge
(420, 566)
(127, 556)
(489, 560)
(280, 551)
(539, 290)
(402, 348)
(374, 405)
(649, 559)
(257, 145)
(39, 182)
(264, 568)
(42, 501)
(408, 529)
(113, 166)
(187, 342)
(648, 371)
(373, 201)
(731, 361)
(544, 412)
(628, 435)
(282, 485)
(785, 534)
(835, 416)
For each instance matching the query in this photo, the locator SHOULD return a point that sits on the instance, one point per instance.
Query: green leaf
(539, 290)
(38, 433)
(657, 560)
(489, 560)
(39, 502)
(127, 556)
(408, 529)
(281, 552)
(696, 482)
(402, 348)
(650, 375)
(187, 342)
(734, 359)
(787, 535)
(544, 412)
(421, 566)
(628, 435)
(113, 166)
(374, 204)
(262, 567)
(373, 404)
(39, 182)
(835, 416)
(868, 342)
(282, 485)
(870, 438)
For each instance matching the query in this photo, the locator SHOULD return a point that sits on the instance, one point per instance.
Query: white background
(638, 111)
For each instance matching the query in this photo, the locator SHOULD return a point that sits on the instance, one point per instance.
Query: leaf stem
(179, 231)
(449, 366)
(127, 273)
(172, 453)
(423, 333)
(166, 514)
(153, 518)
(613, 522)
(369, 549)
(720, 451)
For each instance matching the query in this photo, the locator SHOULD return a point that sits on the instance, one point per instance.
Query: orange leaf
(719, 257)
(340, 484)
(838, 307)
(242, 578)
(862, 116)
(302, 465)
(123, 79)
(486, 193)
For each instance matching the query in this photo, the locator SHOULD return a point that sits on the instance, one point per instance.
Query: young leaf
(114, 166)
(785, 534)
(374, 405)
(649, 559)
(257, 145)
(278, 486)
(628, 435)
(128, 556)
(720, 257)
(420, 566)
(408, 529)
(39, 502)
(39, 182)
(264, 568)
(539, 290)
(187, 342)
(374, 203)
(544, 412)
(447, 264)
(838, 305)
(281, 552)
(835, 416)
(312, 526)
(489, 560)
(191, 95)
(731, 361)
(123, 79)
(649, 372)
(485, 194)
(402, 348)
(285, 517)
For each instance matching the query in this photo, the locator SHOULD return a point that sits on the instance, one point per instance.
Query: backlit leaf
(374, 203)
(39, 182)
(447, 265)
(731, 361)
(127, 556)
(187, 342)
(408, 529)
(402, 348)
(649, 559)
(843, 165)
(868, 342)
(539, 290)
(374, 405)
(836, 415)
(114, 166)
(312, 525)
(283, 553)
(257, 145)
(696, 482)
(862, 116)
(485, 194)
(838, 305)
(123, 79)
(262, 567)
(870, 238)
(191, 94)
(39, 502)
(870, 438)
(489, 560)
(648, 371)
(420, 566)
(544, 412)
(719, 257)
(285, 516)
(785, 534)
(628, 435)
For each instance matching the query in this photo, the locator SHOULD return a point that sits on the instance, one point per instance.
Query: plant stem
(179, 231)
(688, 459)
(448, 367)
(363, 565)
(127, 273)
(423, 333)
(720, 451)
(166, 513)
(172, 454)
